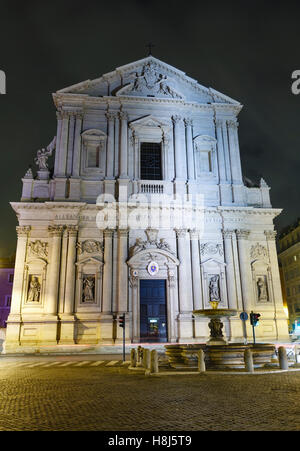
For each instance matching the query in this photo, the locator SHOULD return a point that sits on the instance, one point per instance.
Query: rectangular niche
(262, 291)
(34, 289)
(88, 292)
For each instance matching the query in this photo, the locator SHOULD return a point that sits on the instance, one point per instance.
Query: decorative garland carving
(258, 251)
(38, 248)
(211, 248)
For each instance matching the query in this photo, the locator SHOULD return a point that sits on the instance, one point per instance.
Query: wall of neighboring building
(6, 283)
(289, 258)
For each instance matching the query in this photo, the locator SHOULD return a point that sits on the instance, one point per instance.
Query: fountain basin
(215, 313)
(218, 357)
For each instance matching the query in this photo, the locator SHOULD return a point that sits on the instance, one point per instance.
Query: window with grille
(151, 168)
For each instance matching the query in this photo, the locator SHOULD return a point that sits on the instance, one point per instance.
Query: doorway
(153, 311)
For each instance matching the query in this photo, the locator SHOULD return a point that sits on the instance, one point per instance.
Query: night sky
(246, 50)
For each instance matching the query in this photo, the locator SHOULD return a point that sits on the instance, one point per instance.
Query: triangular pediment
(148, 121)
(149, 78)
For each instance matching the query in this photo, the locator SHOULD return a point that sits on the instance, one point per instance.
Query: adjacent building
(146, 214)
(289, 260)
(6, 283)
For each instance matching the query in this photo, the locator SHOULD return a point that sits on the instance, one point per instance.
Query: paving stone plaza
(89, 393)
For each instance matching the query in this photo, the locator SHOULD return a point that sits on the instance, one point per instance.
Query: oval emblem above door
(153, 268)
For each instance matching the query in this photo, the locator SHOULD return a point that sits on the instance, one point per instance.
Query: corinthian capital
(188, 122)
(55, 230)
(72, 230)
(242, 234)
(176, 119)
(123, 116)
(23, 230)
(219, 122)
(180, 233)
(270, 234)
(110, 116)
(232, 124)
(228, 233)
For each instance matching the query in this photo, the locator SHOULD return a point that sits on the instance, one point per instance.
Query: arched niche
(138, 269)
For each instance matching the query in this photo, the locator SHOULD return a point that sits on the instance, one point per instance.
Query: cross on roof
(150, 45)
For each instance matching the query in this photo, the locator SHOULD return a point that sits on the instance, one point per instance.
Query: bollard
(154, 361)
(133, 358)
(296, 353)
(147, 359)
(248, 359)
(139, 356)
(201, 361)
(282, 358)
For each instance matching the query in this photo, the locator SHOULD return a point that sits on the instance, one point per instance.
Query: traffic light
(122, 320)
(254, 318)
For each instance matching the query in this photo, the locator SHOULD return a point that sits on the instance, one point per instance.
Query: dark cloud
(247, 50)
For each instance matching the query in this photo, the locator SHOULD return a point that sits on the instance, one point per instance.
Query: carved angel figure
(43, 155)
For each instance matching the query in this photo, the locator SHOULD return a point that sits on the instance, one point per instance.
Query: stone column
(62, 282)
(184, 270)
(190, 150)
(245, 272)
(122, 270)
(77, 145)
(110, 146)
(58, 139)
(134, 283)
(63, 147)
(70, 144)
(221, 156)
(185, 322)
(279, 314)
(67, 317)
(12, 340)
(197, 291)
(70, 272)
(107, 272)
(234, 153)
(179, 148)
(51, 306)
(23, 234)
(226, 151)
(230, 272)
(122, 282)
(117, 145)
(123, 146)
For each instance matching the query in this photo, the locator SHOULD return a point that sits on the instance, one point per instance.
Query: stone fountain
(219, 354)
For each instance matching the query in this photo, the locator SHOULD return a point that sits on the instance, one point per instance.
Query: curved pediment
(152, 254)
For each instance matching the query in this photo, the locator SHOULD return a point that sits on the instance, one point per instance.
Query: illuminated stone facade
(143, 133)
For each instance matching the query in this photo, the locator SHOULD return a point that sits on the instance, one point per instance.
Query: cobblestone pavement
(67, 394)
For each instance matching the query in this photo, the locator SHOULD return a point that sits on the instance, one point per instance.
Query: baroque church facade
(146, 214)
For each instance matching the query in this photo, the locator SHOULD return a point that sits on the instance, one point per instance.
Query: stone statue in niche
(262, 291)
(34, 290)
(214, 288)
(88, 289)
